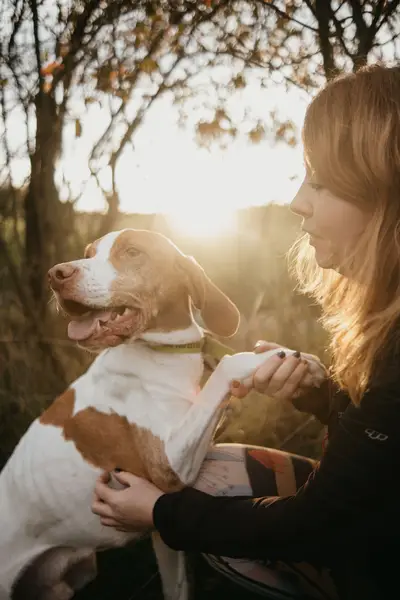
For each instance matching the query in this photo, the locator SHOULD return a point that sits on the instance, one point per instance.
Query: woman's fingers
(272, 374)
(293, 383)
(101, 508)
(275, 380)
(240, 390)
(278, 377)
(268, 369)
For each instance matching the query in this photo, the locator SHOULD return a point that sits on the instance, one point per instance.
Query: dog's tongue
(82, 328)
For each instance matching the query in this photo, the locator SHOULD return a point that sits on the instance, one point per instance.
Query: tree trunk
(323, 12)
(42, 202)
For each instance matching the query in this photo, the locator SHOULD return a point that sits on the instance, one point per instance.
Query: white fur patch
(97, 273)
(106, 243)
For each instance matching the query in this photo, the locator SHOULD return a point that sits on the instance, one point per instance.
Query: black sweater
(347, 510)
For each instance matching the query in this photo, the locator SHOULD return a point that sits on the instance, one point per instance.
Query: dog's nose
(60, 274)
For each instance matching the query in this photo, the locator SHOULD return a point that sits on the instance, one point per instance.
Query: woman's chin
(325, 260)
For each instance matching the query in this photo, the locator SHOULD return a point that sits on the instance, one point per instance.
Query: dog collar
(191, 348)
(207, 346)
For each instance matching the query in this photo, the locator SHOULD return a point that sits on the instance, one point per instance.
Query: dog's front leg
(186, 447)
(188, 442)
(173, 570)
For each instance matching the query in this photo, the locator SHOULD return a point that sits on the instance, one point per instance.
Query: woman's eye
(315, 186)
(132, 252)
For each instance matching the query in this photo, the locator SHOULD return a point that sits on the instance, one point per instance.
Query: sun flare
(202, 223)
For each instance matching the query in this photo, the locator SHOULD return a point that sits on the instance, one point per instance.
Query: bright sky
(169, 173)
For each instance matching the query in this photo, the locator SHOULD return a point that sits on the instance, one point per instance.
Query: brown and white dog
(137, 408)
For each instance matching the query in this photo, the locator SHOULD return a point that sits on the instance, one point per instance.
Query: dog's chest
(122, 418)
(149, 389)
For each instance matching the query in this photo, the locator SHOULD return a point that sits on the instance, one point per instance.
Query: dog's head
(133, 281)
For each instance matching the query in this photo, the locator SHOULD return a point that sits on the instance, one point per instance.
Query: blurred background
(183, 117)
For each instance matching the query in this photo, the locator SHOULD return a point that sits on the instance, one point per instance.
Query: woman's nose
(301, 204)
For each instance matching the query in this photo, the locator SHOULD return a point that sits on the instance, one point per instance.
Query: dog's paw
(317, 371)
(243, 364)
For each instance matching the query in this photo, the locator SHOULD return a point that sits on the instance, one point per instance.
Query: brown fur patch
(147, 262)
(91, 249)
(109, 441)
(60, 410)
(148, 244)
(173, 317)
(164, 278)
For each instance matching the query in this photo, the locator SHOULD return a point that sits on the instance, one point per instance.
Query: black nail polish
(296, 354)
(281, 354)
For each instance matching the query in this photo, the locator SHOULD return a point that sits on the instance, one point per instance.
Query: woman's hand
(129, 509)
(283, 377)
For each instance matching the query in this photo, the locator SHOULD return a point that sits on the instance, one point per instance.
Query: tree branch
(340, 35)
(323, 13)
(35, 20)
(154, 47)
(284, 15)
(358, 17)
(388, 12)
(17, 22)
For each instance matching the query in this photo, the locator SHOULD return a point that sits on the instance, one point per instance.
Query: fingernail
(281, 354)
(236, 384)
(258, 343)
(296, 354)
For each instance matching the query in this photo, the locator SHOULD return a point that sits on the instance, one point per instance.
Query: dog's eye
(132, 252)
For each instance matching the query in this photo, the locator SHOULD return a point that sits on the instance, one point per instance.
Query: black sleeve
(358, 471)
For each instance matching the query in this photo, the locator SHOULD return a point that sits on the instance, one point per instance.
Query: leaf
(51, 68)
(78, 128)
(257, 134)
(148, 65)
(239, 82)
(123, 94)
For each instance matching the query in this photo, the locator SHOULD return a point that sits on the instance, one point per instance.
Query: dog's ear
(219, 313)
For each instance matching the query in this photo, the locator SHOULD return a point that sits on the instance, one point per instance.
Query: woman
(346, 515)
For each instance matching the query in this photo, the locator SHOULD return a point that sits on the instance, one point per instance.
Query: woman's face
(334, 225)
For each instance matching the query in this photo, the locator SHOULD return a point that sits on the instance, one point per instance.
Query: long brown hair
(351, 140)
